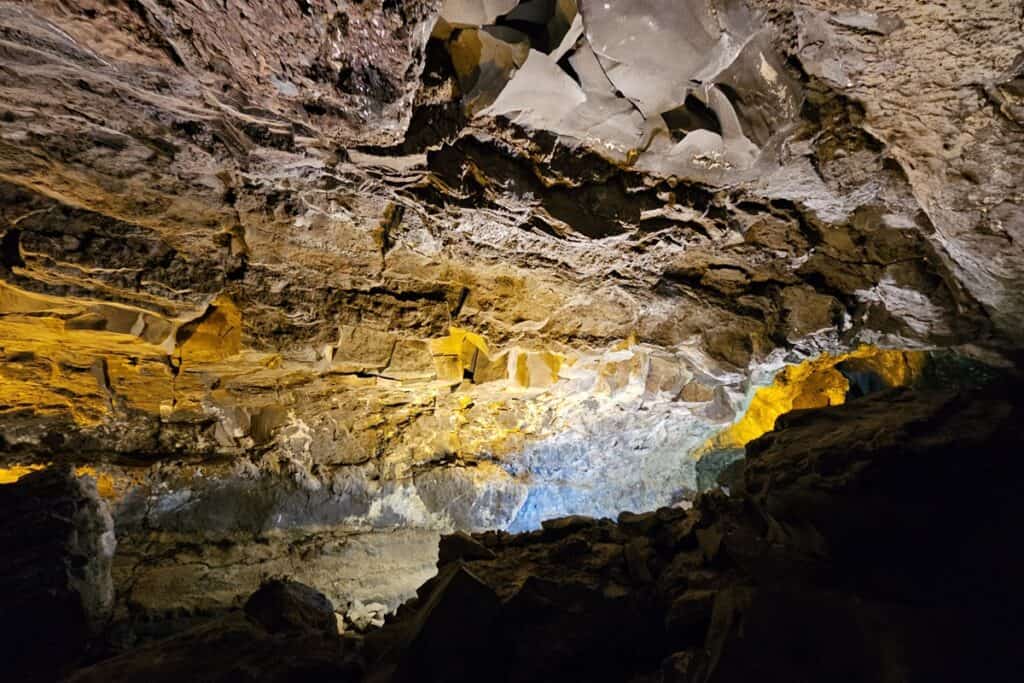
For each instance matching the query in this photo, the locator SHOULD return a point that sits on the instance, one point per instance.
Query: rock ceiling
(321, 268)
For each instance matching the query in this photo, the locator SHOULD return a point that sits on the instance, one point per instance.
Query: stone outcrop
(58, 542)
(286, 634)
(282, 605)
(849, 553)
(207, 230)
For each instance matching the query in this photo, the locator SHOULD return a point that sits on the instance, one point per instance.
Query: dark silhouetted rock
(837, 560)
(287, 633)
(712, 465)
(451, 636)
(231, 649)
(56, 544)
(281, 605)
(555, 529)
(461, 546)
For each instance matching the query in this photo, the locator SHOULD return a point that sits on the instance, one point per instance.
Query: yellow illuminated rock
(85, 359)
(815, 383)
(457, 341)
(48, 370)
(215, 335)
(537, 368)
(373, 392)
(109, 484)
(457, 353)
(9, 475)
(491, 369)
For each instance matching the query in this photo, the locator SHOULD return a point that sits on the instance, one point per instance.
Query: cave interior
(641, 341)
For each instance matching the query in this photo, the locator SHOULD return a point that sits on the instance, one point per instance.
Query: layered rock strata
(332, 277)
(831, 559)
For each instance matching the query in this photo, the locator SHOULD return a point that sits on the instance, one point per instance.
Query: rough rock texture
(843, 556)
(285, 638)
(848, 551)
(936, 83)
(325, 279)
(58, 541)
(283, 605)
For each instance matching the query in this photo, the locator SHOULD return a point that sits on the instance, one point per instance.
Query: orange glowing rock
(214, 336)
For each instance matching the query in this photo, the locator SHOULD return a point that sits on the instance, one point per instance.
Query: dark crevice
(692, 115)
(10, 249)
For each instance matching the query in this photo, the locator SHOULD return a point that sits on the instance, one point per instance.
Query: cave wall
(330, 289)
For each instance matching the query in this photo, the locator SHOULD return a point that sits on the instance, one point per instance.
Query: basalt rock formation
(281, 637)
(800, 574)
(305, 284)
(58, 543)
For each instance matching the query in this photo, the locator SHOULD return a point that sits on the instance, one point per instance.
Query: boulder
(231, 649)
(286, 633)
(282, 605)
(450, 637)
(461, 546)
(56, 546)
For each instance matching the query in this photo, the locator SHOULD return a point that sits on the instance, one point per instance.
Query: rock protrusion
(282, 605)
(56, 546)
(830, 559)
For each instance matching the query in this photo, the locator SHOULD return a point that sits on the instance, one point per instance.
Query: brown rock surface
(308, 283)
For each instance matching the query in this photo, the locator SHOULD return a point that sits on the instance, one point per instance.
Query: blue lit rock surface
(608, 433)
(304, 298)
(802, 558)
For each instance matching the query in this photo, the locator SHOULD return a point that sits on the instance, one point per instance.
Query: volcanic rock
(58, 542)
(307, 284)
(281, 605)
(808, 577)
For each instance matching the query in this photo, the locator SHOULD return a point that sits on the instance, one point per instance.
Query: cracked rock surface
(307, 283)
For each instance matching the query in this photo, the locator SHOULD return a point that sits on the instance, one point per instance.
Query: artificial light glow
(815, 383)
